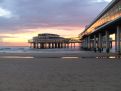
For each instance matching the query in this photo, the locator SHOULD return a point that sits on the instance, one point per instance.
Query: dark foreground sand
(52, 72)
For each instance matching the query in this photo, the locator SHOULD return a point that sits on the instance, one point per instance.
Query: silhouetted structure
(47, 40)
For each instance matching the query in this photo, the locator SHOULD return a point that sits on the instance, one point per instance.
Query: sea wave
(31, 50)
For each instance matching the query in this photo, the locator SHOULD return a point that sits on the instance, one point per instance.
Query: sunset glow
(19, 21)
(15, 39)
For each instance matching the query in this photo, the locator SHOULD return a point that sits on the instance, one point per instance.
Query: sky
(20, 20)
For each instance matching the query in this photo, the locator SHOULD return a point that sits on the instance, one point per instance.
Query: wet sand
(58, 72)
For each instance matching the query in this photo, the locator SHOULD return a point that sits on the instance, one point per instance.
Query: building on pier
(46, 40)
(97, 33)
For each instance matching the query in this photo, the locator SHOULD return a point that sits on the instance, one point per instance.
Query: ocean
(25, 49)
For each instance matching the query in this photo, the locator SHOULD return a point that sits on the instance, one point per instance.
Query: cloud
(100, 1)
(32, 14)
(5, 13)
(108, 0)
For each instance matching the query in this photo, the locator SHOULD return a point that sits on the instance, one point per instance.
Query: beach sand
(58, 72)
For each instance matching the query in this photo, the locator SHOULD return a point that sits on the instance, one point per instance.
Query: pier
(97, 35)
(47, 41)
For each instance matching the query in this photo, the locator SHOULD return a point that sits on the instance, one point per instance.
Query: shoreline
(79, 54)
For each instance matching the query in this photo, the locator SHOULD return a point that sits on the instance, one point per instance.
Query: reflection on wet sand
(104, 57)
(16, 57)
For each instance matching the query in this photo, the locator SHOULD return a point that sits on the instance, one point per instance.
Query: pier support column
(107, 42)
(100, 42)
(49, 45)
(71, 45)
(118, 39)
(42, 45)
(56, 45)
(46, 46)
(95, 43)
(111, 45)
(82, 44)
(52, 45)
(34, 45)
(74, 45)
(86, 43)
(37, 46)
(61, 45)
(89, 42)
